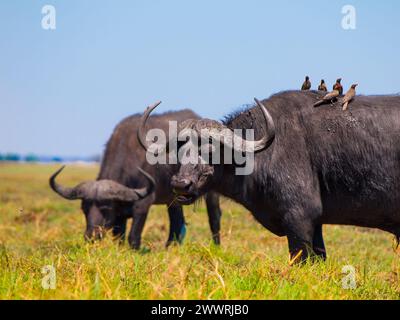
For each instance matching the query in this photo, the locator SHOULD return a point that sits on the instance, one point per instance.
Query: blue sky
(62, 92)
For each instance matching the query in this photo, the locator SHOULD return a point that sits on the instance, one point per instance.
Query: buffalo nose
(182, 184)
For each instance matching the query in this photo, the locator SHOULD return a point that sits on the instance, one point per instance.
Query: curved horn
(141, 133)
(241, 145)
(67, 193)
(238, 143)
(108, 190)
(144, 192)
(269, 137)
(102, 190)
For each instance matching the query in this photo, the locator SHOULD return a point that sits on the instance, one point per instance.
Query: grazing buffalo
(104, 208)
(312, 166)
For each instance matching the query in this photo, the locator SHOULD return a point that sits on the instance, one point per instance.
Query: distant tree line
(10, 157)
(15, 157)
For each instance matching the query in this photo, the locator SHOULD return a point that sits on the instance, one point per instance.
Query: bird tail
(318, 103)
(345, 105)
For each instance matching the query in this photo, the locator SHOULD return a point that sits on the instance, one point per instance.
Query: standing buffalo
(110, 200)
(312, 166)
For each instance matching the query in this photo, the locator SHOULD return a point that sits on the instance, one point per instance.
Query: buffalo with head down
(102, 193)
(119, 191)
(314, 166)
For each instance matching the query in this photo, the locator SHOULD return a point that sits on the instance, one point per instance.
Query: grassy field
(38, 228)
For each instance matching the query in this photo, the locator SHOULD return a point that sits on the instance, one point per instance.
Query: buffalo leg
(177, 229)
(214, 215)
(300, 234)
(318, 242)
(139, 218)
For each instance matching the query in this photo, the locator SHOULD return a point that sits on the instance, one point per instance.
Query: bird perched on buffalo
(349, 96)
(307, 84)
(338, 86)
(330, 97)
(322, 86)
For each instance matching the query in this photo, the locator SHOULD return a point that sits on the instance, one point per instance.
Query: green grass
(38, 228)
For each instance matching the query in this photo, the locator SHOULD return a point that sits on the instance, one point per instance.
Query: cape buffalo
(122, 157)
(313, 166)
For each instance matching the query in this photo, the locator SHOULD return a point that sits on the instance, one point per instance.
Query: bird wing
(348, 96)
(331, 95)
(306, 85)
